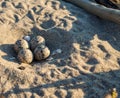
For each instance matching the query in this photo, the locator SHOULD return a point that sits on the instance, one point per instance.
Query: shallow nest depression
(15, 76)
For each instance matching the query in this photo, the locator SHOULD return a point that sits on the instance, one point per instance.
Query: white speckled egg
(37, 40)
(41, 52)
(25, 56)
(20, 44)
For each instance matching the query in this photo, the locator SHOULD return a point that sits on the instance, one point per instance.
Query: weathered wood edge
(98, 10)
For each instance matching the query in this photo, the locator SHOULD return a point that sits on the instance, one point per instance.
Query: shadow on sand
(10, 53)
(98, 84)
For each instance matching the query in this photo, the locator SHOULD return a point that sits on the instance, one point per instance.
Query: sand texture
(87, 66)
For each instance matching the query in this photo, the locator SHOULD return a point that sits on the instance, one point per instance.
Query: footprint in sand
(107, 56)
(92, 61)
(7, 5)
(48, 24)
(118, 61)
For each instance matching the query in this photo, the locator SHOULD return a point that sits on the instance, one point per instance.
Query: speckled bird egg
(37, 40)
(25, 56)
(20, 44)
(41, 52)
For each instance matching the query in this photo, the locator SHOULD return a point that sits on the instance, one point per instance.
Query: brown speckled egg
(25, 56)
(37, 40)
(20, 44)
(41, 52)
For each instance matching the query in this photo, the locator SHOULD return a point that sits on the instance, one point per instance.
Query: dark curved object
(107, 3)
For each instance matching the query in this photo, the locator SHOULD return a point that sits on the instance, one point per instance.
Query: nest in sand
(31, 49)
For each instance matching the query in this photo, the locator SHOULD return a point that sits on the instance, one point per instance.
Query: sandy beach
(87, 66)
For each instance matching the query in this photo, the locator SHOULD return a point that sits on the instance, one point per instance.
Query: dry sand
(88, 65)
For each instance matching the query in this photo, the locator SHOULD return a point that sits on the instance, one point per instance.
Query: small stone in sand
(27, 38)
